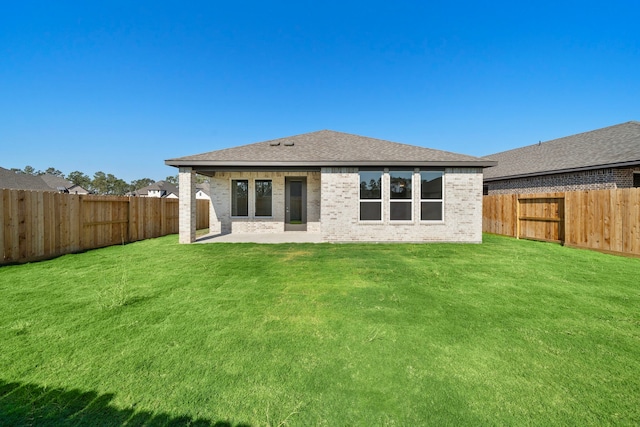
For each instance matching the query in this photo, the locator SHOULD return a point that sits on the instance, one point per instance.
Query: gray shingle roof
(328, 148)
(22, 181)
(58, 183)
(617, 145)
(158, 186)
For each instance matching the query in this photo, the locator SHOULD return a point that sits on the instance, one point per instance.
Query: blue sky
(120, 86)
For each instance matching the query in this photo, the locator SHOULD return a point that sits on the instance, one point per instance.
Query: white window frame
(232, 187)
(441, 200)
(380, 201)
(407, 201)
(255, 198)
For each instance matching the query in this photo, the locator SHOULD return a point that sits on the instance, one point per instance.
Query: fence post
(517, 199)
(129, 219)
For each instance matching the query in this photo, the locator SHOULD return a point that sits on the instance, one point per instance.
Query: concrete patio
(267, 238)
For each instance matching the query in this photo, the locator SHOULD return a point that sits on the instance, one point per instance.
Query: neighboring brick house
(601, 159)
(344, 187)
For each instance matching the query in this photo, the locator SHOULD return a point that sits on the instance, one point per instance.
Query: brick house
(344, 187)
(601, 159)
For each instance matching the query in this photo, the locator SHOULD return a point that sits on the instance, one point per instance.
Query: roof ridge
(330, 148)
(564, 137)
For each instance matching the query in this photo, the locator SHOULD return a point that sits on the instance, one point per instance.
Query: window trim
(409, 201)
(251, 199)
(232, 198)
(255, 198)
(380, 200)
(440, 200)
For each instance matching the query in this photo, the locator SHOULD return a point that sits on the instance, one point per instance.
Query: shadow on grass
(32, 405)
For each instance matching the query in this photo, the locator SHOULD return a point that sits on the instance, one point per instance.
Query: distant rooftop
(612, 146)
(22, 181)
(162, 186)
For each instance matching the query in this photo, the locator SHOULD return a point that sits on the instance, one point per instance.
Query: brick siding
(598, 179)
(333, 206)
(462, 210)
(220, 220)
(187, 205)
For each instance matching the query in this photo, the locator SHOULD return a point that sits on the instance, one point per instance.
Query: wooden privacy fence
(37, 225)
(604, 220)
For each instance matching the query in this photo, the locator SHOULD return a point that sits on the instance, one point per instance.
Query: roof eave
(390, 163)
(569, 170)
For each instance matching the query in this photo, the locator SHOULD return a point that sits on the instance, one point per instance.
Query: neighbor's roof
(328, 148)
(204, 187)
(157, 186)
(22, 181)
(55, 181)
(613, 146)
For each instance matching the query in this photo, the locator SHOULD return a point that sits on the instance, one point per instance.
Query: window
(636, 179)
(263, 197)
(400, 208)
(370, 196)
(431, 195)
(239, 197)
(485, 190)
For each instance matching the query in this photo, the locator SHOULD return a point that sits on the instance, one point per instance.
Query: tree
(137, 184)
(200, 179)
(119, 187)
(108, 184)
(99, 183)
(79, 178)
(54, 172)
(102, 183)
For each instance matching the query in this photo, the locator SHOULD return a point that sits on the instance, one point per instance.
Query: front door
(295, 204)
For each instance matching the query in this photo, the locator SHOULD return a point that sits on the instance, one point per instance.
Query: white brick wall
(220, 220)
(333, 207)
(462, 210)
(187, 205)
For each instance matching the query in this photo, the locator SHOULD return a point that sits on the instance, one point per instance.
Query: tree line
(101, 183)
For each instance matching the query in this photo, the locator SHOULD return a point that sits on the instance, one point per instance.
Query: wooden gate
(541, 218)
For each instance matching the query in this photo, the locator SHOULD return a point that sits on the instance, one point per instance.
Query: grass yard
(155, 333)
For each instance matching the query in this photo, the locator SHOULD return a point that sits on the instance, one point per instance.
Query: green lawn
(504, 333)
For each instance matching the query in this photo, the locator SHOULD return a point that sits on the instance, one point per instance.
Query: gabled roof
(613, 146)
(22, 181)
(327, 148)
(204, 187)
(55, 181)
(162, 186)
(157, 186)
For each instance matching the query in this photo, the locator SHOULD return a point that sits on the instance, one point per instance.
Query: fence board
(604, 220)
(541, 217)
(41, 225)
(2, 219)
(631, 223)
(10, 225)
